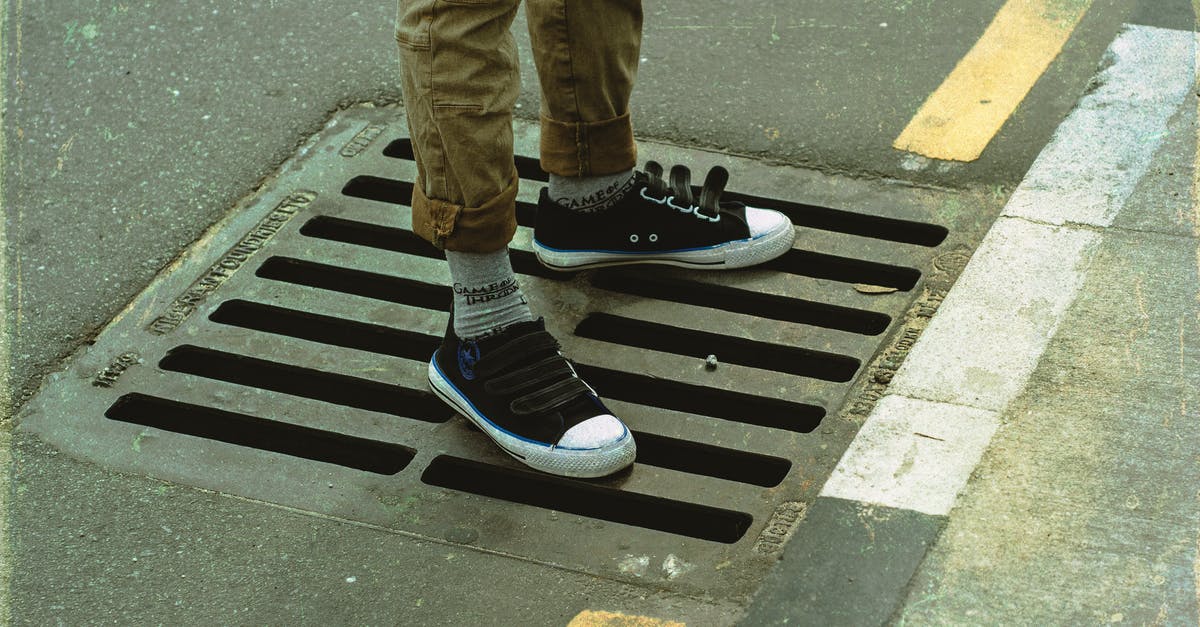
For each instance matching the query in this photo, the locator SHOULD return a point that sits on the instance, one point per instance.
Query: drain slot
(402, 149)
(840, 221)
(402, 241)
(306, 383)
(801, 214)
(587, 499)
(614, 384)
(742, 301)
(844, 269)
(369, 235)
(736, 350)
(358, 282)
(326, 329)
(270, 435)
(379, 189)
(702, 401)
(710, 461)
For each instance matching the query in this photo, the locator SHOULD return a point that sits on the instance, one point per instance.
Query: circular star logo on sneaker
(468, 356)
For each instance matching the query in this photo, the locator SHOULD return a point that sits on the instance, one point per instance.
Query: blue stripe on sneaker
(497, 427)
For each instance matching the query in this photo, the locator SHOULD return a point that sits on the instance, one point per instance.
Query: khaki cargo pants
(460, 81)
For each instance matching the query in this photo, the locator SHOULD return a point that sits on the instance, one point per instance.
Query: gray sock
(590, 193)
(486, 295)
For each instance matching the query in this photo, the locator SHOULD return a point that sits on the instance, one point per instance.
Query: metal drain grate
(293, 370)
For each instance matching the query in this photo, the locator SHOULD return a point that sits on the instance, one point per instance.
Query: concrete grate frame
(282, 359)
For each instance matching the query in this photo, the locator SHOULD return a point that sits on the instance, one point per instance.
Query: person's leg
(459, 69)
(586, 53)
(597, 210)
(496, 366)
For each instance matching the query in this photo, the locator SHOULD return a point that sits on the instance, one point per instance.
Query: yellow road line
(592, 618)
(960, 118)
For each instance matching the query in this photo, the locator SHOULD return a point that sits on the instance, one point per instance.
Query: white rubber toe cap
(762, 221)
(595, 432)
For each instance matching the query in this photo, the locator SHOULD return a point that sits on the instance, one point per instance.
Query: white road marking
(990, 331)
(913, 454)
(981, 348)
(1099, 153)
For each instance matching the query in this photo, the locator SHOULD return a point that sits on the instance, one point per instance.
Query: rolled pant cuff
(449, 226)
(588, 148)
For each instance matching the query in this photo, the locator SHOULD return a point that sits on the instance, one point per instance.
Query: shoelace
(678, 194)
(541, 386)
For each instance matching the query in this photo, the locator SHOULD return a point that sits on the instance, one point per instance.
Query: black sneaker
(518, 388)
(656, 223)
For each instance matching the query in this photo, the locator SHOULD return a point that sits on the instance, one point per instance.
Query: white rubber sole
(565, 462)
(730, 255)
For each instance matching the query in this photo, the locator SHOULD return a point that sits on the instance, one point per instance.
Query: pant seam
(442, 190)
(580, 148)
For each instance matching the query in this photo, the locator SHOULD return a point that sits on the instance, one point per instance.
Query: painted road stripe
(987, 337)
(593, 618)
(981, 348)
(959, 119)
(913, 451)
(1103, 148)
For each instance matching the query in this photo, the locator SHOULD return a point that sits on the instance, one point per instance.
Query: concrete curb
(892, 490)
